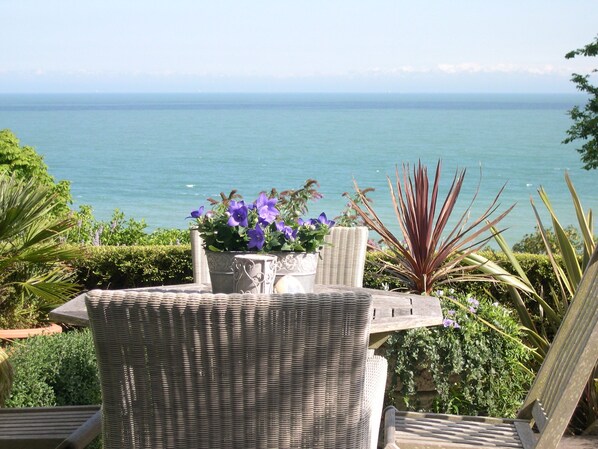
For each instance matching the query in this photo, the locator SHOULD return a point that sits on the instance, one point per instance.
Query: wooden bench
(66, 427)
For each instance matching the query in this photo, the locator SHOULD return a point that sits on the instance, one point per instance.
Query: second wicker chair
(236, 371)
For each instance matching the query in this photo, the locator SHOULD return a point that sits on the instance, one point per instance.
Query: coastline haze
(310, 46)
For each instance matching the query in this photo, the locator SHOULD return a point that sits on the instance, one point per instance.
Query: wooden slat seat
(436, 430)
(549, 405)
(49, 427)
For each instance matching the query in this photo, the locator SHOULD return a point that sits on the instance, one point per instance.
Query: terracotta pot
(11, 334)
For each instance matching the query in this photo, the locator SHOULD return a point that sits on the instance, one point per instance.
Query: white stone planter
(302, 266)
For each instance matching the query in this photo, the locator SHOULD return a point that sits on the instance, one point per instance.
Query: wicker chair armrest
(375, 383)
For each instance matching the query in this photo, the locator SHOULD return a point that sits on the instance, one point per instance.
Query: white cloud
(504, 68)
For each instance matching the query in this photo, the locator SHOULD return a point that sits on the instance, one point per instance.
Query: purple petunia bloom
(256, 238)
(266, 209)
(288, 232)
(196, 213)
(238, 214)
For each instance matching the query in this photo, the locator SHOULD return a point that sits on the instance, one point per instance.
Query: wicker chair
(201, 274)
(549, 404)
(236, 371)
(343, 263)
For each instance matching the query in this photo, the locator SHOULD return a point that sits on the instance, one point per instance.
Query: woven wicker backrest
(201, 273)
(343, 262)
(568, 364)
(185, 370)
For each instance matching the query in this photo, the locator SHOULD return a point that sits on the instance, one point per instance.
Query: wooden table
(392, 311)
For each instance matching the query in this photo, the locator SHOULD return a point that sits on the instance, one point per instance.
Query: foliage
(6, 376)
(552, 304)
(134, 266)
(349, 217)
(271, 223)
(33, 274)
(163, 237)
(566, 265)
(585, 126)
(534, 243)
(119, 231)
(424, 256)
(59, 369)
(475, 370)
(24, 163)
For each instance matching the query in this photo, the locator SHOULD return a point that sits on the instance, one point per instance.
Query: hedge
(118, 267)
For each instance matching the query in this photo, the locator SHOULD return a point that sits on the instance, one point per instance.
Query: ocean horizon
(159, 156)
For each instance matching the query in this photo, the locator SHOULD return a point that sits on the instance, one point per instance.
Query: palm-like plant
(33, 276)
(552, 306)
(568, 273)
(429, 252)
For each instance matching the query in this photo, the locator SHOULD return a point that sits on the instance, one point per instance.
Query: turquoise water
(158, 156)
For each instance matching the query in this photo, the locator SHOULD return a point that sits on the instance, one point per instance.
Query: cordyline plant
(428, 253)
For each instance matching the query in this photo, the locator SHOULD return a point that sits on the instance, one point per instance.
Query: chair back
(343, 262)
(201, 273)
(568, 364)
(231, 371)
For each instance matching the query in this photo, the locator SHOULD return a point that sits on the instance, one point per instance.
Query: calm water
(158, 156)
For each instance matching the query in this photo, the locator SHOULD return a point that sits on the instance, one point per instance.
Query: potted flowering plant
(270, 224)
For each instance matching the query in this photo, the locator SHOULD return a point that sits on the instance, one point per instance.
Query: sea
(157, 157)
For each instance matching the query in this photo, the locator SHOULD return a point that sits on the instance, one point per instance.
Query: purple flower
(196, 213)
(238, 214)
(96, 236)
(447, 322)
(256, 238)
(323, 220)
(450, 312)
(310, 222)
(266, 209)
(288, 232)
(474, 304)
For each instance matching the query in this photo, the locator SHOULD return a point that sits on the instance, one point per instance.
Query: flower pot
(302, 266)
(11, 334)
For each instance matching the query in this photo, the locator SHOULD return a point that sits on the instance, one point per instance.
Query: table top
(392, 311)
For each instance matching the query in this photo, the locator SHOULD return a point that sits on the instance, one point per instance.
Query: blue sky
(293, 46)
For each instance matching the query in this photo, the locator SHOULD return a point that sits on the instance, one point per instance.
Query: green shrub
(474, 369)
(118, 267)
(536, 266)
(119, 231)
(533, 243)
(51, 370)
